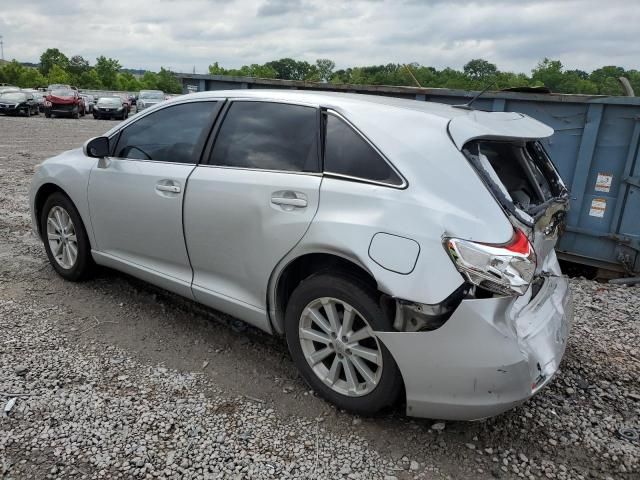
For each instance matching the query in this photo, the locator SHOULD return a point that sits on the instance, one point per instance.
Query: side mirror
(97, 147)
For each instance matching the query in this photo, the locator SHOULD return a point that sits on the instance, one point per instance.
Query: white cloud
(514, 34)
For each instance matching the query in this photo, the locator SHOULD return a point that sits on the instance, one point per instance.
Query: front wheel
(65, 238)
(330, 323)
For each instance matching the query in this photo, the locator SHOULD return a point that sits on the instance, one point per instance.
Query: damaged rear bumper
(491, 355)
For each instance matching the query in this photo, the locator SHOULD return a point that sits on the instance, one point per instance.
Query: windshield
(63, 93)
(152, 95)
(111, 101)
(14, 96)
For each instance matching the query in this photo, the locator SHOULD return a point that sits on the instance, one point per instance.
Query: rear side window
(173, 134)
(347, 153)
(270, 136)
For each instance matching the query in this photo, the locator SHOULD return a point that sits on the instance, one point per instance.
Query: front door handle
(168, 188)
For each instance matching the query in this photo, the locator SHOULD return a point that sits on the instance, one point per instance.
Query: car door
(136, 196)
(251, 203)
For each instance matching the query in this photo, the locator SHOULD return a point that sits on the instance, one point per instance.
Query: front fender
(70, 173)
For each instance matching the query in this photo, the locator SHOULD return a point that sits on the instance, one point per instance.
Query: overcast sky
(514, 34)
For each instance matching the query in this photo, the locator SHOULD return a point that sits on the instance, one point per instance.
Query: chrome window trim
(228, 167)
(402, 186)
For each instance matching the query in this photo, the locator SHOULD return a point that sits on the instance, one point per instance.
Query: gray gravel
(116, 379)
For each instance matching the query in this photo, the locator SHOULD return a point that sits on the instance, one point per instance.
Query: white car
(401, 247)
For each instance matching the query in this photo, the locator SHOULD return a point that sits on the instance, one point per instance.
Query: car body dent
(483, 360)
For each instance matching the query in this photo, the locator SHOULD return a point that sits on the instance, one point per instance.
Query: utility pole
(1, 48)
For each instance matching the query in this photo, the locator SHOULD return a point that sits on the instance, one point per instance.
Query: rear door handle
(168, 188)
(294, 202)
(288, 199)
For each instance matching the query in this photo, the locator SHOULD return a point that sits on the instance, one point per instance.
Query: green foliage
(58, 75)
(478, 73)
(167, 82)
(479, 69)
(107, 70)
(325, 69)
(90, 79)
(127, 82)
(51, 57)
(31, 78)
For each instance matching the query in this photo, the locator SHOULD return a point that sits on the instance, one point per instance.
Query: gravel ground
(114, 378)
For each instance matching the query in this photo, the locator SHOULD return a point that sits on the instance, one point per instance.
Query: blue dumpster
(595, 147)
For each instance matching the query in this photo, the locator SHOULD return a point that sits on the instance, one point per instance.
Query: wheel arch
(45, 191)
(297, 269)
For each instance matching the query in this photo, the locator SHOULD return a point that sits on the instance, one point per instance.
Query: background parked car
(89, 103)
(110, 108)
(18, 103)
(38, 97)
(126, 101)
(147, 98)
(9, 88)
(64, 101)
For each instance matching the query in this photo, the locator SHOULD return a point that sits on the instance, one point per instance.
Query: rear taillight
(504, 269)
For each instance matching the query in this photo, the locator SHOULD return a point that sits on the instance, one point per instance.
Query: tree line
(475, 75)
(105, 74)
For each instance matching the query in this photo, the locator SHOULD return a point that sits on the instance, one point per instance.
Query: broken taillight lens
(504, 269)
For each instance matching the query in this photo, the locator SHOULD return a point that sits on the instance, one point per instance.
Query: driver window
(168, 135)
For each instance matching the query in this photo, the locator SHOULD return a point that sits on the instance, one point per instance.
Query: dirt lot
(118, 379)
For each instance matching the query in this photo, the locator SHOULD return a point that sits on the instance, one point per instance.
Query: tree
(548, 73)
(51, 57)
(107, 70)
(90, 79)
(215, 69)
(290, 69)
(58, 75)
(480, 70)
(149, 81)
(31, 78)
(12, 72)
(325, 68)
(127, 82)
(78, 65)
(167, 82)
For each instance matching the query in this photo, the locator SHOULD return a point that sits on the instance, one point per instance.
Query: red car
(126, 101)
(64, 101)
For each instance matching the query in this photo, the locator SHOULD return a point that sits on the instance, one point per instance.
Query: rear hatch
(505, 151)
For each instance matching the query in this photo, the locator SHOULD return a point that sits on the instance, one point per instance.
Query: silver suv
(403, 248)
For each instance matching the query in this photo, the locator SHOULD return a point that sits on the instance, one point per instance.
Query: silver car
(149, 98)
(403, 248)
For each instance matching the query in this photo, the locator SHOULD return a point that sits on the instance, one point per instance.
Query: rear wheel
(330, 320)
(65, 238)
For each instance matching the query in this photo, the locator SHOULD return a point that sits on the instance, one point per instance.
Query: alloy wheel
(61, 235)
(340, 347)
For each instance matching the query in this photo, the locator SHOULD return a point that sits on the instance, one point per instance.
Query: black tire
(365, 300)
(47, 114)
(76, 114)
(84, 265)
